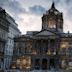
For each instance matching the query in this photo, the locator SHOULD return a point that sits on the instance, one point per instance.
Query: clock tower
(52, 19)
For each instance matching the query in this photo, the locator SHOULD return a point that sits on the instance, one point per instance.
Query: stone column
(48, 63)
(32, 63)
(48, 45)
(40, 64)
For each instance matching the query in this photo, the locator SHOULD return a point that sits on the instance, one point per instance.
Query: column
(47, 63)
(32, 63)
(40, 63)
(48, 46)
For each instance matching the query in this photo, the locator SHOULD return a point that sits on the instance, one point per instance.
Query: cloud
(65, 6)
(37, 9)
(29, 23)
(15, 7)
(12, 6)
(32, 11)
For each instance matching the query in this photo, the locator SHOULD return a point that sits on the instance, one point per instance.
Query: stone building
(4, 29)
(13, 31)
(45, 49)
(8, 30)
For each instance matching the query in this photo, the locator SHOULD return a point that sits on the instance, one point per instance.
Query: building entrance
(52, 63)
(37, 64)
(44, 64)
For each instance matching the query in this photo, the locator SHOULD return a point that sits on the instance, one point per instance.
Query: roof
(2, 10)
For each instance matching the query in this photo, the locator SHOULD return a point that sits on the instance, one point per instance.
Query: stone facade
(13, 31)
(37, 51)
(8, 30)
(44, 50)
(4, 29)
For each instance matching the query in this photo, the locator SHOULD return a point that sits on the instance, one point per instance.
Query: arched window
(51, 23)
(23, 62)
(44, 64)
(52, 63)
(37, 64)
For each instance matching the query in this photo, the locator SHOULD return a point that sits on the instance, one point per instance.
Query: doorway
(37, 64)
(52, 63)
(44, 64)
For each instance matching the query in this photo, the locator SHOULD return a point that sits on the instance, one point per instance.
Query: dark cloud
(37, 9)
(15, 7)
(12, 6)
(68, 1)
(68, 8)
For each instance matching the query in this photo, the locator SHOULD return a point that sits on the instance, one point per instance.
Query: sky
(28, 13)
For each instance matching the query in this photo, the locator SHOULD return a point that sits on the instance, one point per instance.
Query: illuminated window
(24, 62)
(54, 53)
(64, 45)
(13, 65)
(52, 24)
(56, 12)
(63, 63)
(18, 61)
(64, 48)
(70, 65)
(34, 51)
(48, 52)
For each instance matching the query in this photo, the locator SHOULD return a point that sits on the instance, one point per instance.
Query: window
(34, 51)
(24, 62)
(44, 64)
(52, 23)
(63, 63)
(70, 51)
(64, 45)
(37, 64)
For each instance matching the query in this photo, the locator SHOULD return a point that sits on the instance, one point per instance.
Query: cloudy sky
(28, 13)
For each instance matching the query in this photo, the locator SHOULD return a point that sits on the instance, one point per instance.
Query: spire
(53, 5)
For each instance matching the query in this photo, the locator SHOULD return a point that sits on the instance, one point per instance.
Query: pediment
(45, 33)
